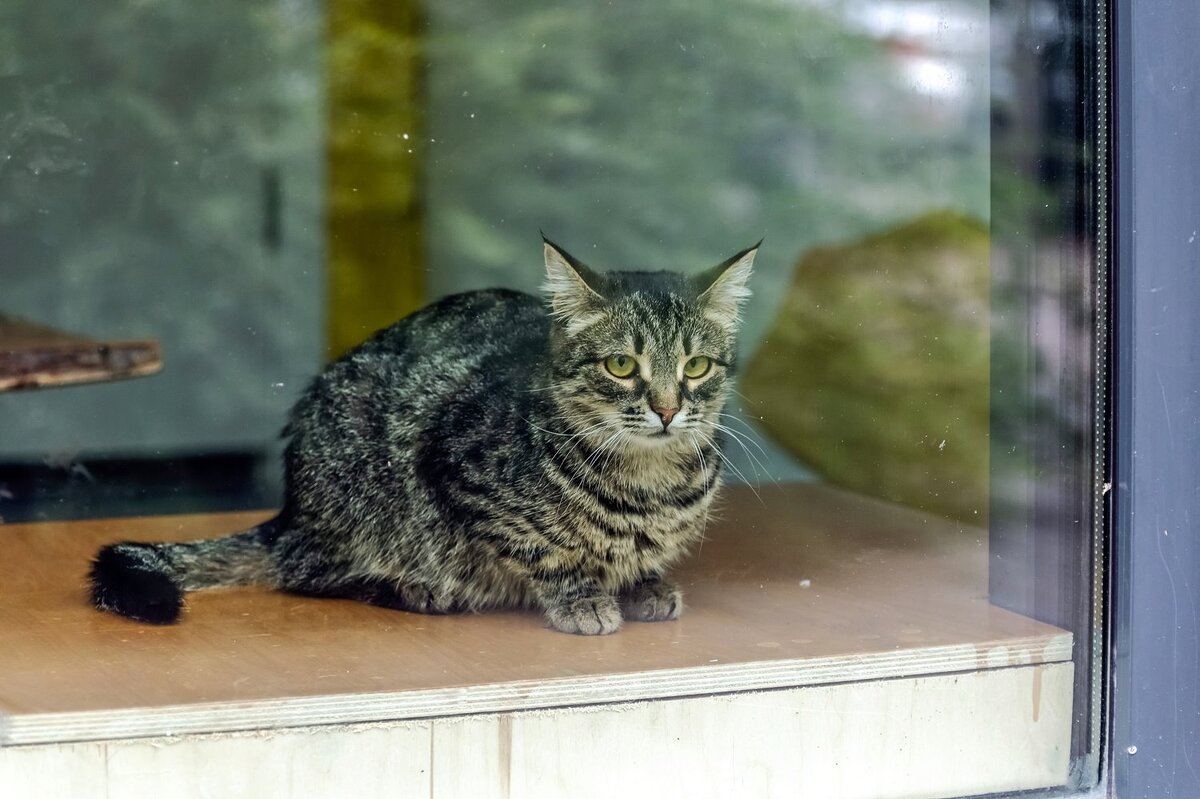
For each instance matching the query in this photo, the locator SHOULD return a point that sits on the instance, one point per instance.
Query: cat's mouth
(663, 435)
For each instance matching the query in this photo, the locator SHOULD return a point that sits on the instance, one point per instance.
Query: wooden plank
(807, 586)
(952, 735)
(35, 356)
(984, 732)
(75, 770)
(376, 761)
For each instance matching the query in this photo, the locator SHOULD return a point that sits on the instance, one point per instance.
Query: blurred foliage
(670, 134)
(140, 141)
(875, 371)
(141, 144)
(136, 98)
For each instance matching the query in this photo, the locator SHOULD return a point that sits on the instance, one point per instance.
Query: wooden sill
(36, 356)
(807, 586)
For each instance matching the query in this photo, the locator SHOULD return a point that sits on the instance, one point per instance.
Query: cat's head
(649, 355)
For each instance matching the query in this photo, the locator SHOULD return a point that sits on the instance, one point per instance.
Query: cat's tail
(147, 581)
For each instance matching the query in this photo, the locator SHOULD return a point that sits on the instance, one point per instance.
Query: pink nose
(666, 414)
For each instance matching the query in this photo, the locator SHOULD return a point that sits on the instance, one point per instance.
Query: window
(914, 515)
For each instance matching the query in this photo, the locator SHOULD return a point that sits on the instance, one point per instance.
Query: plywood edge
(1002, 729)
(60, 363)
(715, 678)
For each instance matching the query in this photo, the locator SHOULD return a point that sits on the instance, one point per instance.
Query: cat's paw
(652, 601)
(592, 615)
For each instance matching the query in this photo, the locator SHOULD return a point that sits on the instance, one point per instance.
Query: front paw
(653, 601)
(592, 615)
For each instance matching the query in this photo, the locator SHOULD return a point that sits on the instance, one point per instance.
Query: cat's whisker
(742, 439)
(560, 434)
(610, 448)
(705, 478)
(599, 450)
(605, 420)
(550, 387)
(752, 431)
(756, 464)
(725, 459)
(743, 396)
(613, 450)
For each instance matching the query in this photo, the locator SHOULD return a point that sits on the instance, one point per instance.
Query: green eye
(621, 365)
(697, 367)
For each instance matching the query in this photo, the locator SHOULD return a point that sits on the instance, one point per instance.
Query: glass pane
(909, 447)
(161, 178)
(1048, 328)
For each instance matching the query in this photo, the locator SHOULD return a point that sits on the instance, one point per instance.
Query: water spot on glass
(806, 583)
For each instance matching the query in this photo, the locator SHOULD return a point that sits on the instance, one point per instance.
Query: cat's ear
(572, 288)
(724, 288)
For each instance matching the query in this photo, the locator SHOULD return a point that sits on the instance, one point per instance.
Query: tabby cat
(492, 451)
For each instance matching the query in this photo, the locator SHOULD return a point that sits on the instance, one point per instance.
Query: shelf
(35, 356)
(805, 586)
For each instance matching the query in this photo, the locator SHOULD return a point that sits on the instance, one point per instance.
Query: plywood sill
(807, 586)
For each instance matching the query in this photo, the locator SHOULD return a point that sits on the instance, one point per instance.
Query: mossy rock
(875, 371)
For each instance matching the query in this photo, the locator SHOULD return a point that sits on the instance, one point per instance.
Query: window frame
(1154, 688)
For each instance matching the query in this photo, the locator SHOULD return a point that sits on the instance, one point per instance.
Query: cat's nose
(666, 414)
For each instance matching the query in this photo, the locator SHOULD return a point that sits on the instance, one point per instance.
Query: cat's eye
(621, 366)
(697, 367)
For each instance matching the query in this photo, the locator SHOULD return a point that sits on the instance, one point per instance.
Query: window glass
(258, 186)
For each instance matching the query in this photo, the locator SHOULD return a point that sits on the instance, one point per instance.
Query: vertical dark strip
(272, 200)
(1156, 549)
(1045, 362)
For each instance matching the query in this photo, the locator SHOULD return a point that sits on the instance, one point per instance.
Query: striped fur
(479, 454)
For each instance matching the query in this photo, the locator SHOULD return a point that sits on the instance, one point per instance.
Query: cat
(492, 450)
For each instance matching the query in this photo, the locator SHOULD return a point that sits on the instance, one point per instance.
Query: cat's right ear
(571, 287)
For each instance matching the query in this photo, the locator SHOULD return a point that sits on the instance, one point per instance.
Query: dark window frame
(1154, 629)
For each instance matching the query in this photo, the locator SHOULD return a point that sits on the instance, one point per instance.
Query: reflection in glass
(259, 185)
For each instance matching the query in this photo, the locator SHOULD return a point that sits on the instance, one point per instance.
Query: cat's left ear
(572, 288)
(723, 289)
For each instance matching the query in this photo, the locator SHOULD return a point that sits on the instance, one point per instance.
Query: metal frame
(1155, 549)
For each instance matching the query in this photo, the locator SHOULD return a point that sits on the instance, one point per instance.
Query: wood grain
(940, 736)
(808, 585)
(36, 356)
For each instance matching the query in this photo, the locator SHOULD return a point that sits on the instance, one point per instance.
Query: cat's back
(471, 325)
(478, 342)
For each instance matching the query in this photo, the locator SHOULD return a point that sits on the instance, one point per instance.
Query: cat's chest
(626, 547)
